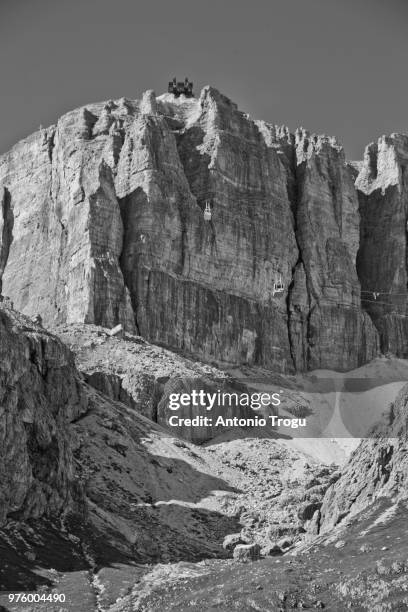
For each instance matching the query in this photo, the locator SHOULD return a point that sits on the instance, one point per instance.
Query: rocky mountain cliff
(382, 187)
(102, 222)
(40, 396)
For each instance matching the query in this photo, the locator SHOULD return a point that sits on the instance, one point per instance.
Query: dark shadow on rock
(25, 549)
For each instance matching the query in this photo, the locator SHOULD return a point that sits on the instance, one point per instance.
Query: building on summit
(181, 87)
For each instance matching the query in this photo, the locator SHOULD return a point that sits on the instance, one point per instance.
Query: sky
(337, 67)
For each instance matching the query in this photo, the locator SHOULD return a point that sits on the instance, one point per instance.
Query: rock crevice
(6, 231)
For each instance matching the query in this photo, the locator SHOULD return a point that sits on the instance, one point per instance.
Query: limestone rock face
(327, 229)
(64, 230)
(382, 186)
(102, 222)
(40, 395)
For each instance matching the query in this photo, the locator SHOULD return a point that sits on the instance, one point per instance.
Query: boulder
(247, 552)
(232, 540)
(117, 331)
(271, 550)
(284, 543)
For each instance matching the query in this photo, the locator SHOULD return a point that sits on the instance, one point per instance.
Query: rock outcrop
(247, 552)
(102, 222)
(40, 395)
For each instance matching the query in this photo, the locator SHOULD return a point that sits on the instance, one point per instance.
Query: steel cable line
(355, 307)
(385, 293)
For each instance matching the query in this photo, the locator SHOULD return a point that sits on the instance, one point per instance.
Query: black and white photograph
(203, 305)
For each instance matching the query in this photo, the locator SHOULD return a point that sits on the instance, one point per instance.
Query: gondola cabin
(207, 212)
(278, 286)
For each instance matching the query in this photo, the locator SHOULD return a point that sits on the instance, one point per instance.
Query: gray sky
(333, 66)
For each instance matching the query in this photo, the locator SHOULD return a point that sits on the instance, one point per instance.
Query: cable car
(207, 212)
(278, 286)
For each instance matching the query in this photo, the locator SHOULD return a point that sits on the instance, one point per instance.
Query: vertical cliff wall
(40, 395)
(382, 186)
(103, 223)
(326, 324)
